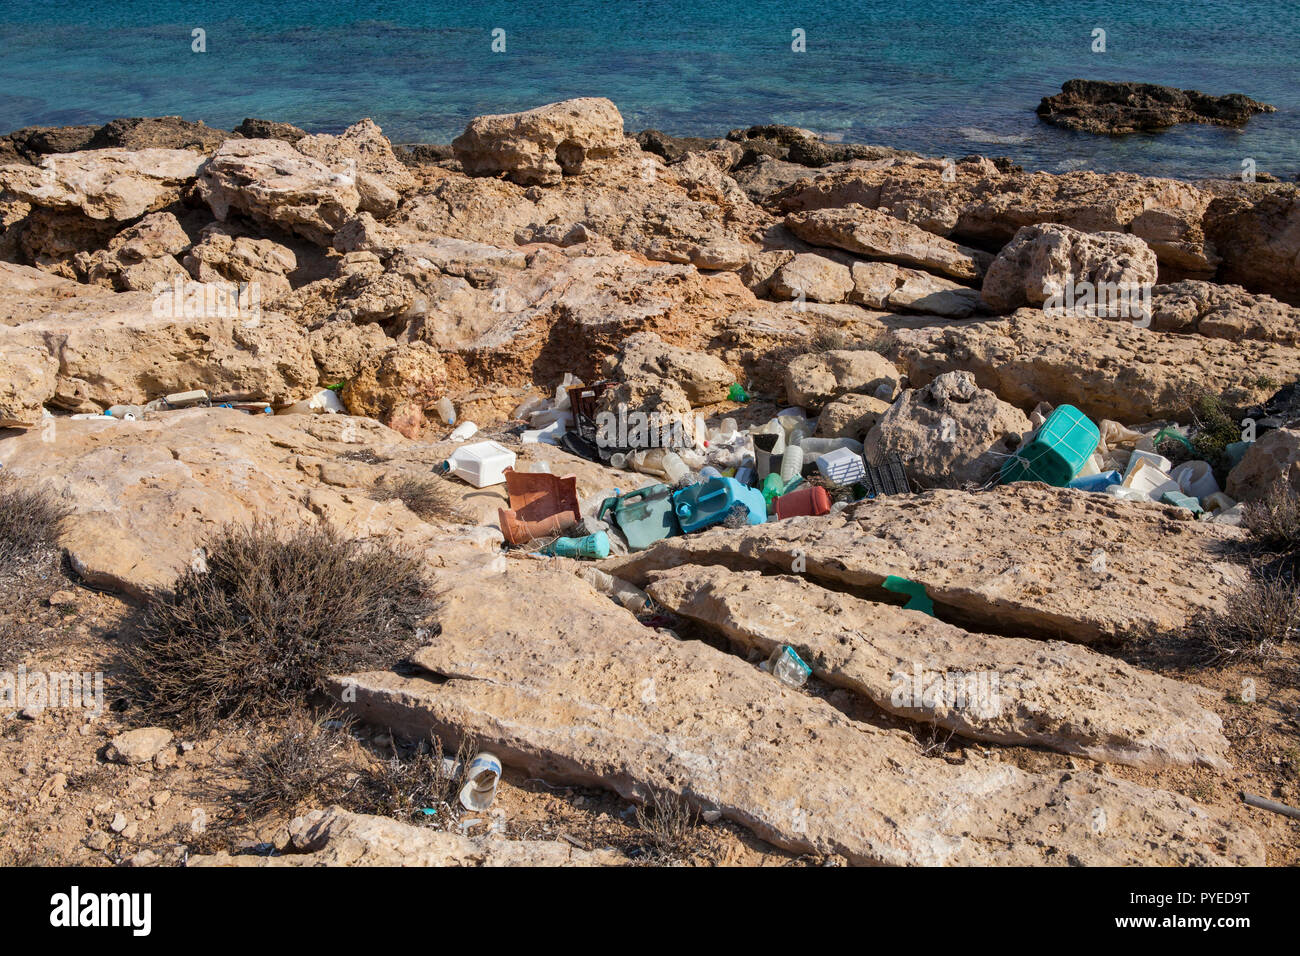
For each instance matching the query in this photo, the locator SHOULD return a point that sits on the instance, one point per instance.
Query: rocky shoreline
(906, 304)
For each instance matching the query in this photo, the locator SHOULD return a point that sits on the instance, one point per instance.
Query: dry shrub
(430, 497)
(256, 628)
(307, 759)
(667, 822)
(30, 519)
(1274, 521)
(1257, 617)
(403, 787)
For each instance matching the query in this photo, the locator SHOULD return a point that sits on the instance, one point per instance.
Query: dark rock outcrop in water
(1096, 106)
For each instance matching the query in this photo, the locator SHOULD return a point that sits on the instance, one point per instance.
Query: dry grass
(667, 822)
(430, 497)
(257, 630)
(30, 519)
(833, 340)
(1257, 617)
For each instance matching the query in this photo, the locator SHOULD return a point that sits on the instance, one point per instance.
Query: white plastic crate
(482, 463)
(842, 466)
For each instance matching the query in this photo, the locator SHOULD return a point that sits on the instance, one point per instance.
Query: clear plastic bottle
(446, 410)
(673, 467)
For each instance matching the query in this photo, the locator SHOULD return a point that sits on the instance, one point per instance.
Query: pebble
(119, 823)
(160, 798)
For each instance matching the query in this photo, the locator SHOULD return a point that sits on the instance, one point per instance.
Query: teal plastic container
(644, 516)
(1057, 452)
(708, 502)
(593, 547)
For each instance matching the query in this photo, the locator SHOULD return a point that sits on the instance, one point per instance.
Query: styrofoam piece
(841, 466)
(1149, 479)
(547, 416)
(1160, 461)
(551, 434)
(482, 463)
(463, 432)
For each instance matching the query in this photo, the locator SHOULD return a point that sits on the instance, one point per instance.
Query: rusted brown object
(541, 505)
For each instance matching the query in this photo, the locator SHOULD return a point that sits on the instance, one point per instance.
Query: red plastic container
(808, 500)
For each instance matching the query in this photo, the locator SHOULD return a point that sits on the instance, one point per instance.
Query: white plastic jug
(1195, 478)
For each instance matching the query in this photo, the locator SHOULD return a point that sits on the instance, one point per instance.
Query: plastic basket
(1056, 453)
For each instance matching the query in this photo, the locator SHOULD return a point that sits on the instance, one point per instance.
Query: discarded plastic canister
(481, 779)
(809, 500)
(788, 667)
(463, 431)
(592, 547)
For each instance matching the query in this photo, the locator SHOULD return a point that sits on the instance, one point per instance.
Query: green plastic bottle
(773, 487)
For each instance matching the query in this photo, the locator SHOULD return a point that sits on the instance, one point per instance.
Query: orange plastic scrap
(541, 505)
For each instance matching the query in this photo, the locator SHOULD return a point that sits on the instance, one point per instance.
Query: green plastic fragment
(919, 600)
(737, 394)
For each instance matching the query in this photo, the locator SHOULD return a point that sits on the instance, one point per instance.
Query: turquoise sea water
(945, 78)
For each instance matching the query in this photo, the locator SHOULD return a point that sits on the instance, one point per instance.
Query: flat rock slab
(337, 837)
(1001, 689)
(1107, 369)
(145, 494)
(1020, 560)
(555, 679)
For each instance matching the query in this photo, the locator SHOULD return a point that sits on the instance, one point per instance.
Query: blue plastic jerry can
(707, 503)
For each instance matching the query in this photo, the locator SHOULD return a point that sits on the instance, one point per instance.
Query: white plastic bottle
(791, 463)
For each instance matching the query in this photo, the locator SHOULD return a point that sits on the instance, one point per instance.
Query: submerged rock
(1099, 106)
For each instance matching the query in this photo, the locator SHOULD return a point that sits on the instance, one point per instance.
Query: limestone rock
(654, 714)
(876, 235)
(1105, 369)
(950, 433)
(816, 378)
(1019, 559)
(1042, 260)
(850, 416)
(28, 379)
(221, 256)
(396, 386)
(1257, 233)
(1223, 312)
(132, 347)
(138, 746)
(337, 837)
(104, 184)
(1003, 689)
(275, 185)
(140, 256)
(542, 145)
(157, 132)
(146, 493)
(1272, 460)
(883, 285)
(978, 202)
(704, 378)
(363, 153)
(813, 277)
